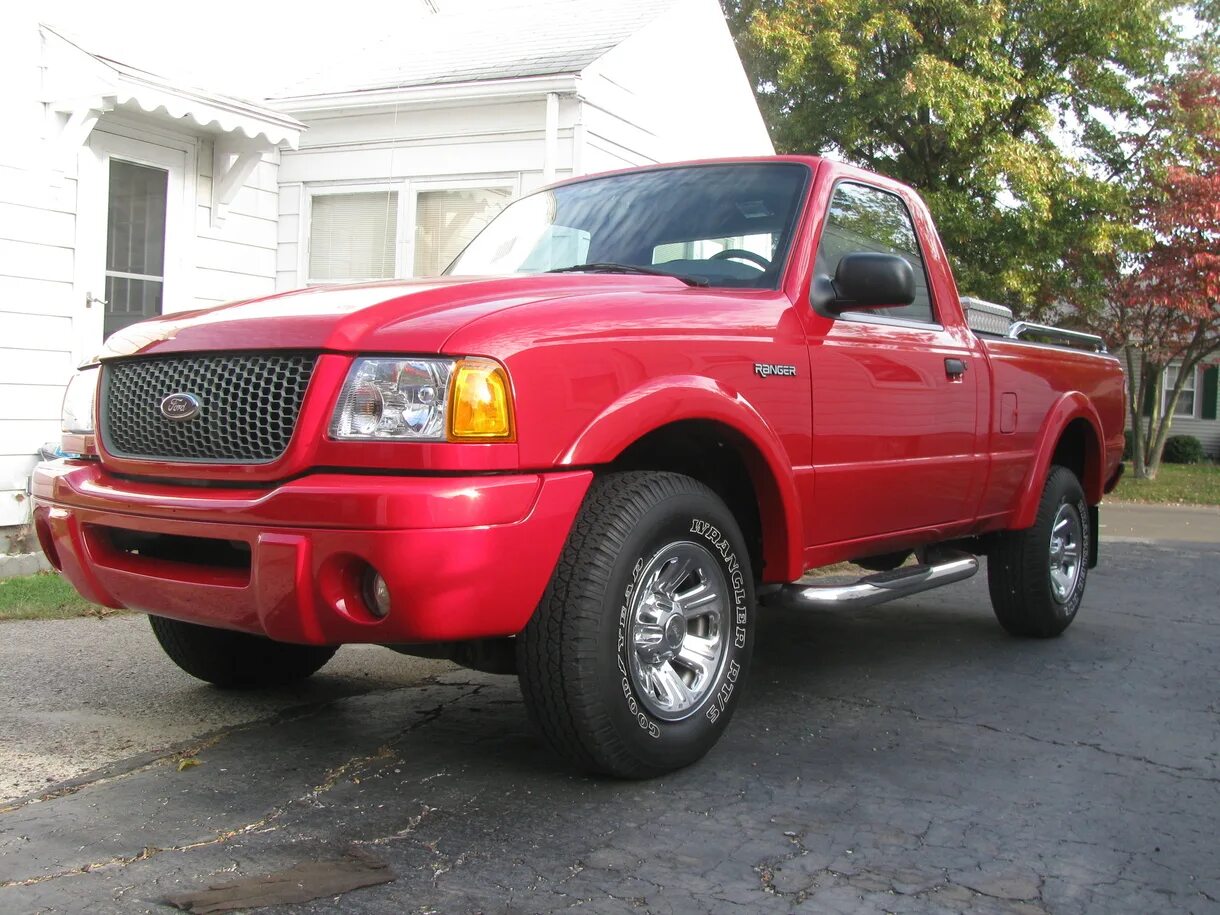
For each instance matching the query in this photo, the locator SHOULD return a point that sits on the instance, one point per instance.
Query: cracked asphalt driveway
(907, 758)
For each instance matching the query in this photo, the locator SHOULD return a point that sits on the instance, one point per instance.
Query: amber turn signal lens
(481, 407)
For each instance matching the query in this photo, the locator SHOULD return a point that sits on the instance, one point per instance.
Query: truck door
(894, 391)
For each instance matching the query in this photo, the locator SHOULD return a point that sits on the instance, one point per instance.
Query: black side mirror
(865, 279)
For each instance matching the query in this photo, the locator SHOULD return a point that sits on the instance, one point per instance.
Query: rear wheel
(1037, 576)
(235, 659)
(635, 658)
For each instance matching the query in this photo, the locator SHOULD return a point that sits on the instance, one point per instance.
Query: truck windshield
(722, 225)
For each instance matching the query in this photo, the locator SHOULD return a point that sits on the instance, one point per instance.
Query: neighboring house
(124, 195)
(1198, 409)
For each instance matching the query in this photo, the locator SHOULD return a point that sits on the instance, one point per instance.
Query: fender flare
(1068, 408)
(677, 398)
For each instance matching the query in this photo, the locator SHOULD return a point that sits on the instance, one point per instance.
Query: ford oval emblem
(180, 407)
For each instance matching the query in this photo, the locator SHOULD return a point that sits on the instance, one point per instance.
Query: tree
(1164, 307)
(979, 105)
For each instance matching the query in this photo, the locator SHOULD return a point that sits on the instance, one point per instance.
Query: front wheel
(1037, 576)
(635, 658)
(235, 659)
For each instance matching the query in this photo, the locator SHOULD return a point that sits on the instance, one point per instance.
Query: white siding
(37, 241)
(673, 91)
(236, 260)
(1207, 431)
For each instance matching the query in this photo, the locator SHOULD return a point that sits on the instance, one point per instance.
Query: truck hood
(399, 316)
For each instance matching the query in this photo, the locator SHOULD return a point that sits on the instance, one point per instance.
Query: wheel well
(725, 462)
(1077, 450)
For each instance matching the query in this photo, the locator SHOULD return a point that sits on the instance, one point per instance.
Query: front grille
(248, 406)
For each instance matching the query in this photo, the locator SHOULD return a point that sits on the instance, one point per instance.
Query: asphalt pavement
(907, 758)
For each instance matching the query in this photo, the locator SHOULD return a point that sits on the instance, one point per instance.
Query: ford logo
(180, 406)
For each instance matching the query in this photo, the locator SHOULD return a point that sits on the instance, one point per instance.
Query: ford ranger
(638, 408)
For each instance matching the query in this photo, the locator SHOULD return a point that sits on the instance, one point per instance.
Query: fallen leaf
(187, 762)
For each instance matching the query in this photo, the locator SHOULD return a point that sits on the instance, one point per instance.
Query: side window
(866, 219)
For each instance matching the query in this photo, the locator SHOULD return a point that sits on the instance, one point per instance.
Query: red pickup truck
(640, 407)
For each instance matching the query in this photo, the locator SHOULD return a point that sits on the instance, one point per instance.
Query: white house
(429, 133)
(124, 194)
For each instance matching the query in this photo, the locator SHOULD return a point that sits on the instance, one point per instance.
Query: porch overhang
(80, 88)
(78, 81)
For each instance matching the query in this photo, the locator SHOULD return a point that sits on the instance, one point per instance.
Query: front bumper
(464, 557)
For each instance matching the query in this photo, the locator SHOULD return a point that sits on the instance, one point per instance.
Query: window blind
(352, 236)
(445, 221)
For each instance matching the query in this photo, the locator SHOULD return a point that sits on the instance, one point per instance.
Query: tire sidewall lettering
(721, 693)
(722, 546)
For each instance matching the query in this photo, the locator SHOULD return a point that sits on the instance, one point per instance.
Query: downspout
(578, 138)
(550, 150)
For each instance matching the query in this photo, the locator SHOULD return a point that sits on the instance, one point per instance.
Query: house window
(353, 236)
(1187, 401)
(446, 221)
(135, 244)
(356, 232)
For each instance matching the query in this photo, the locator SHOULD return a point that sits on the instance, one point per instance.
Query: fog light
(376, 594)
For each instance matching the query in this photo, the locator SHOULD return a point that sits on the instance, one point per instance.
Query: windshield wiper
(609, 267)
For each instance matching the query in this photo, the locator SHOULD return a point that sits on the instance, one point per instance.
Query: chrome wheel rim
(678, 619)
(1067, 536)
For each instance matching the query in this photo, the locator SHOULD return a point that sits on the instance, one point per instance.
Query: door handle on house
(90, 298)
(955, 368)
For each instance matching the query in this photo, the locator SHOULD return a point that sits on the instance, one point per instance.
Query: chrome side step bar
(875, 589)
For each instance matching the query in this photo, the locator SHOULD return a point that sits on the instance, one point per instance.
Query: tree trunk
(1135, 409)
(1159, 428)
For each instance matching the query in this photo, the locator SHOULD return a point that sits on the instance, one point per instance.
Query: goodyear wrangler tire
(635, 659)
(1037, 576)
(236, 660)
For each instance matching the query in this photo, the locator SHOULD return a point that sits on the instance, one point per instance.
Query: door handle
(90, 298)
(955, 368)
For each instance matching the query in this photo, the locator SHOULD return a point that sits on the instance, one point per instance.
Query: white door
(133, 225)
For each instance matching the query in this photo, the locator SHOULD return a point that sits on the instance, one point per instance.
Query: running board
(875, 589)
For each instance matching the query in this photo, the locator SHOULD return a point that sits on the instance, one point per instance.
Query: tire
(621, 625)
(235, 660)
(1035, 586)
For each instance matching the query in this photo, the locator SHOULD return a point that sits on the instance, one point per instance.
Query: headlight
(77, 415)
(424, 400)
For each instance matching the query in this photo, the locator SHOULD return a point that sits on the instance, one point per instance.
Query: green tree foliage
(1009, 117)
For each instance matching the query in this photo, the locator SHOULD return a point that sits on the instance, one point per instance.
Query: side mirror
(865, 279)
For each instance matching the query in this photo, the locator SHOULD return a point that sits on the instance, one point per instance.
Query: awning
(77, 81)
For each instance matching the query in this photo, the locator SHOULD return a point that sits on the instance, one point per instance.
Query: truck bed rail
(1056, 336)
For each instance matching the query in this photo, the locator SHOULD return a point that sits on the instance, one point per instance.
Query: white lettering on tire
(721, 544)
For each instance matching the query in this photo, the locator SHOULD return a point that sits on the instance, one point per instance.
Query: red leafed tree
(1167, 310)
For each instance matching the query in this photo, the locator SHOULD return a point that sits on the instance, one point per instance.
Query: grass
(1180, 484)
(45, 596)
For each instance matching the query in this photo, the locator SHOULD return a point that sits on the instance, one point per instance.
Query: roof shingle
(487, 39)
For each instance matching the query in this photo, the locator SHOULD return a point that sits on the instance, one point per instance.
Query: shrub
(1183, 449)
